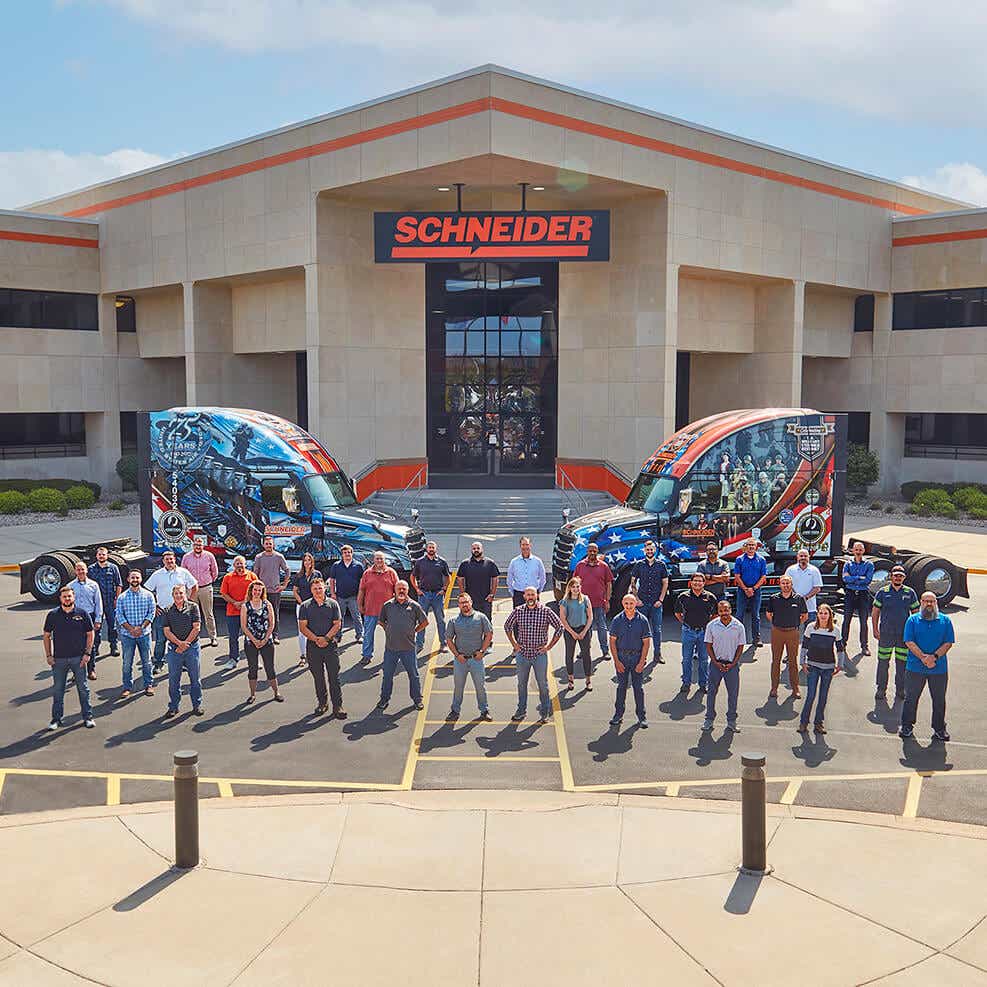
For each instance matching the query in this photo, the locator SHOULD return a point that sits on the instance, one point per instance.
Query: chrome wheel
(47, 580)
(939, 581)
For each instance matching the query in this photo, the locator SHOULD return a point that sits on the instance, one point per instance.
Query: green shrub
(963, 496)
(127, 471)
(935, 501)
(12, 502)
(79, 497)
(913, 487)
(26, 486)
(47, 500)
(116, 505)
(875, 505)
(862, 466)
(980, 513)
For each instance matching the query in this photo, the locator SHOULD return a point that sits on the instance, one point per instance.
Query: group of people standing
(171, 608)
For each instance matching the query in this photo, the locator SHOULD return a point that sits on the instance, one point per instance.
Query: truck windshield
(328, 491)
(652, 493)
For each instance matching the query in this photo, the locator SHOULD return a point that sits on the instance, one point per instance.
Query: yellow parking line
(565, 764)
(3, 776)
(225, 788)
(481, 757)
(112, 789)
(912, 797)
(490, 692)
(489, 723)
(672, 791)
(789, 795)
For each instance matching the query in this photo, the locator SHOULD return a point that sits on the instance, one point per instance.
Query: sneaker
(54, 725)
(443, 649)
(733, 728)
(485, 716)
(616, 721)
(149, 691)
(452, 715)
(212, 643)
(383, 704)
(90, 723)
(684, 691)
(865, 651)
(707, 726)
(171, 714)
(605, 656)
(542, 720)
(518, 716)
(91, 675)
(114, 652)
(276, 640)
(198, 711)
(659, 659)
(359, 640)
(419, 704)
(229, 664)
(941, 737)
(758, 643)
(643, 723)
(319, 710)
(340, 713)
(906, 734)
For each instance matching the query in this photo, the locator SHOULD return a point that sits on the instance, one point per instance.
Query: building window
(126, 309)
(950, 309)
(863, 313)
(42, 436)
(858, 428)
(936, 436)
(128, 431)
(21, 309)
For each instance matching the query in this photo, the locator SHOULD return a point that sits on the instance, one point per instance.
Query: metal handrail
(565, 476)
(396, 506)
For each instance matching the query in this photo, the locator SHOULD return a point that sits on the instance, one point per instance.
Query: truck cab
(773, 474)
(236, 476)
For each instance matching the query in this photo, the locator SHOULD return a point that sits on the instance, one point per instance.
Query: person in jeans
(134, 616)
(597, 579)
(301, 589)
(271, 568)
(786, 613)
(528, 629)
(469, 635)
(576, 614)
(203, 566)
(820, 663)
(257, 621)
(106, 575)
(160, 583)
(319, 621)
(630, 641)
(402, 619)
(725, 638)
(749, 574)
(894, 603)
(377, 586)
(233, 589)
(344, 587)
(430, 576)
(68, 642)
(857, 575)
(181, 628)
(89, 599)
(525, 570)
(929, 635)
(716, 572)
(694, 609)
(649, 582)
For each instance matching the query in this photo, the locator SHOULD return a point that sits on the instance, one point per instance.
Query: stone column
(208, 342)
(774, 369)
(103, 428)
(887, 431)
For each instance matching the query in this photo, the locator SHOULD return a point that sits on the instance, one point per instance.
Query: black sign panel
(416, 237)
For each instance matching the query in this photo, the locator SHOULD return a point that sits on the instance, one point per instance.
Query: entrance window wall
(492, 343)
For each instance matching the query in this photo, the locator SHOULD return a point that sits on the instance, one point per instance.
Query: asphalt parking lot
(277, 748)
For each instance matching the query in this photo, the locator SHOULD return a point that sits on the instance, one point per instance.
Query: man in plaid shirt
(527, 629)
(107, 577)
(135, 614)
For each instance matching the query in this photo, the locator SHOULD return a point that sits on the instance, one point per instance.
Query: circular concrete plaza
(283, 748)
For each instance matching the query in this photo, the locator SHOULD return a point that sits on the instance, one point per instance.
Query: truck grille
(565, 544)
(414, 539)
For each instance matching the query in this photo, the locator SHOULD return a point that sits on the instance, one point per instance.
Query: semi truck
(234, 477)
(777, 475)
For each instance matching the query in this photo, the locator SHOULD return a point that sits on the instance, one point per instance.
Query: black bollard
(186, 809)
(754, 815)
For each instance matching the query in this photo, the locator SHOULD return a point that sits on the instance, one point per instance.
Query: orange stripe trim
(495, 103)
(914, 241)
(59, 241)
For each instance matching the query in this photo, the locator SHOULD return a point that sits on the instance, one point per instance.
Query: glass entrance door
(492, 351)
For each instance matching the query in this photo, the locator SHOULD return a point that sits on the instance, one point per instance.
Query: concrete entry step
(490, 511)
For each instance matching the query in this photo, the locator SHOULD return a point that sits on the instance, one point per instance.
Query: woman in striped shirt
(820, 662)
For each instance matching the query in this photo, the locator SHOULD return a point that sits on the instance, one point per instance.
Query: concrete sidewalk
(495, 888)
(966, 545)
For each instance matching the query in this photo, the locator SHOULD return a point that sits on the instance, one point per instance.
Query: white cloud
(963, 181)
(32, 175)
(899, 59)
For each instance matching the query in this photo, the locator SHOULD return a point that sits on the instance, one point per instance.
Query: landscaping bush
(116, 505)
(26, 486)
(47, 500)
(12, 502)
(966, 497)
(934, 502)
(980, 513)
(889, 508)
(913, 487)
(876, 505)
(127, 471)
(862, 466)
(79, 497)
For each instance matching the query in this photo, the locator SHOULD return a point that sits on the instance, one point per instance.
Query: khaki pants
(204, 599)
(785, 639)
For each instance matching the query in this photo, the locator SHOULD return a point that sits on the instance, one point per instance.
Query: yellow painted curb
(16, 568)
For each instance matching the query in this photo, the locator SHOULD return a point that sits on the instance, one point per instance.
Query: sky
(100, 88)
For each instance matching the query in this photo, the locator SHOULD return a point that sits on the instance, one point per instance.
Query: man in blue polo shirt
(928, 637)
(649, 580)
(749, 574)
(344, 585)
(630, 640)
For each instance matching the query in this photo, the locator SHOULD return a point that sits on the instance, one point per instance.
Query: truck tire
(51, 573)
(929, 573)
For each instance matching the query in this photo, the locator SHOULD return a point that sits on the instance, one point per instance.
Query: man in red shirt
(233, 589)
(597, 580)
(376, 588)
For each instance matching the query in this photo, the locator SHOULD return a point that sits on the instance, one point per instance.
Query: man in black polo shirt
(478, 577)
(694, 609)
(430, 576)
(68, 643)
(319, 622)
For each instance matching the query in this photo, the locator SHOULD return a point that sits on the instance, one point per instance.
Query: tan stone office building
(737, 275)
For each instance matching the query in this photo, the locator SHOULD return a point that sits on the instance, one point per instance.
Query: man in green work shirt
(894, 603)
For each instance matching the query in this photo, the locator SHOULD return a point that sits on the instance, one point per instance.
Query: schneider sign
(414, 237)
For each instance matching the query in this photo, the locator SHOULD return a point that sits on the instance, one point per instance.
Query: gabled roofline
(510, 73)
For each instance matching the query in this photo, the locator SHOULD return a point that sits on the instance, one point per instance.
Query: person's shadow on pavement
(613, 741)
(681, 705)
(288, 732)
(708, 750)
(814, 750)
(931, 757)
(773, 712)
(884, 716)
(374, 724)
(452, 733)
(512, 738)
